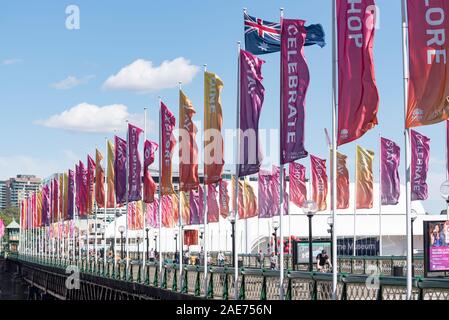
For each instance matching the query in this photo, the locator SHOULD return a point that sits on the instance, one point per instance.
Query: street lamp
(155, 240)
(121, 229)
(176, 244)
(310, 208)
(231, 219)
(138, 246)
(330, 222)
(275, 235)
(201, 237)
(413, 216)
(444, 191)
(148, 244)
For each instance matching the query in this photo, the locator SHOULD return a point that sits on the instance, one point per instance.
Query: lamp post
(275, 235)
(155, 240)
(138, 247)
(413, 217)
(176, 242)
(202, 238)
(148, 244)
(330, 222)
(444, 191)
(310, 208)
(121, 229)
(232, 221)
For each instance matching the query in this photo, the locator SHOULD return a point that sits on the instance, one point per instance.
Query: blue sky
(38, 52)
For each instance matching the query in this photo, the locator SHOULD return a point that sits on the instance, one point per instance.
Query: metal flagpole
(127, 200)
(354, 241)
(236, 186)
(380, 195)
(407, 150)
(144, 207)
(281, 193)
(206, 227)
(96, 232)
(334, 153)
(105, 183)
(180, 233)
(160, 191)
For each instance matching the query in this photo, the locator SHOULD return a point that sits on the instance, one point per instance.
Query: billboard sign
(436, 246)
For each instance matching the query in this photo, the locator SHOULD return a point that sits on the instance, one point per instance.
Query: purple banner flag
(390, 184)
(295, 82)
(71, 190)
(251, 100)
(45, 205)
(83, 198)
(420, 165)
(135, 165)
(120, 170)
(196, 206)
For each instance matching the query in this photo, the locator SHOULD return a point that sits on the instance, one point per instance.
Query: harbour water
(11, 286)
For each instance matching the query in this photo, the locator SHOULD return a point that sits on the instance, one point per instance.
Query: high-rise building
(14, 190)
(2, 195)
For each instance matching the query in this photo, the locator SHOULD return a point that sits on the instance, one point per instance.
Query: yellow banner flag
(213, 121)
(99, 179)
(185, 207)
(364, 178)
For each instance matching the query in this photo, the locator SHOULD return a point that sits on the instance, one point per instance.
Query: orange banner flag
(364, 178)
(213, 120)
(99, 180)
(319, 182)
(188, 150)
(342, 182)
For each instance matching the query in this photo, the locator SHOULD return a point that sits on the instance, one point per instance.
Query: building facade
(14, 190)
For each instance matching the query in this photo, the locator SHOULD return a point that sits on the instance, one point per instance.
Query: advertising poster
(437, 245)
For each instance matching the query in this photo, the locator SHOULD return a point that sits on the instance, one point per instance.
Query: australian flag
(262, 37)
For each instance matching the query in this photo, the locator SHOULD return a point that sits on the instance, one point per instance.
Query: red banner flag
(149, 186)
(168, 123)
(319, 182)
(358, 96)
(295, 82)
(298, 188)
(213, 210)
(428, 90)
(191, 237)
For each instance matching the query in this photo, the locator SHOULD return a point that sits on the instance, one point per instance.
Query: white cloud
(141, 76)
(91, 118)
(8, 62)
(20, 164)
(70, 82)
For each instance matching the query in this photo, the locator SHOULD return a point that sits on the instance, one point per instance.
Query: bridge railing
(263, 284)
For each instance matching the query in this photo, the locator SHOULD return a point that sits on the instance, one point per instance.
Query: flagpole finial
(244, 10)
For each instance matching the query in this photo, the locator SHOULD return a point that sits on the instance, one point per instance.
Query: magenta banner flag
(90, 184)
(266, 201)
(276, 171)
(420, 165)
(45, 205)
(152, 213)
(252, 95)
(389, 162)
(149, 186)
(77, 188)
(71, 190)
(447, 148)
(83, 189)
(120, 170)
(135, 165)
(213, 209)
(295, 82)
(358, 96)
(196, 207)
(298, 189)
(2, 228)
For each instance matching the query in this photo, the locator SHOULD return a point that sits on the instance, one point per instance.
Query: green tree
(8, 214)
